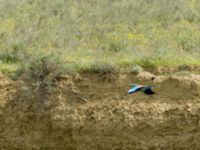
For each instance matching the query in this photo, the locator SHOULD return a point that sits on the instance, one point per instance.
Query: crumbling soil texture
(87, 113)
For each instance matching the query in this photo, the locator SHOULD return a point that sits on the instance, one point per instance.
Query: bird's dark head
(148, 90)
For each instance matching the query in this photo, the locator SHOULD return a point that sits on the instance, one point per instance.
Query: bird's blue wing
(134, 89)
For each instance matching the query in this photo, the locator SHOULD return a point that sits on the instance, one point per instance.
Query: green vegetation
(43, 71)
(122, 32)
(136, 69)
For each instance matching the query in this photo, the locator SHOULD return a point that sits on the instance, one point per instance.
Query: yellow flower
(130, 36)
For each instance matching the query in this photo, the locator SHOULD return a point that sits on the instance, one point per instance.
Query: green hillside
(88, 32)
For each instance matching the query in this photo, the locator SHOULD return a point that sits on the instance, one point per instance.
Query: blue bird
(147, 89)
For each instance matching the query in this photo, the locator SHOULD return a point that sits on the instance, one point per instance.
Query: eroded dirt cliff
(88, 113)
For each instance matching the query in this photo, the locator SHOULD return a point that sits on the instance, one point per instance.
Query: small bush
(107, 71)
(43, 70)
(136, 69)
(103, 67)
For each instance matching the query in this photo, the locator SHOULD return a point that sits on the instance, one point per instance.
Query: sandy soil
(89, 113)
